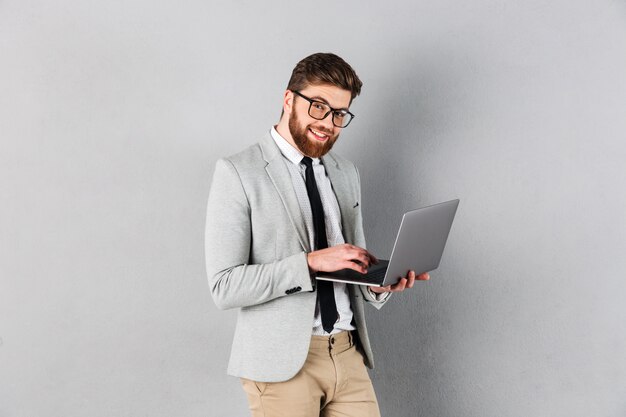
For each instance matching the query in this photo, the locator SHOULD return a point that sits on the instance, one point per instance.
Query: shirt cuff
(378, 297)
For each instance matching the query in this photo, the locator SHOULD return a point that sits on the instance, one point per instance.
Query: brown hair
(325, 68)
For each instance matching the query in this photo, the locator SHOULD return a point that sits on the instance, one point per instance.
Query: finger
(364, 260)
(399, 286)
(372, 258)
(356, 253)
(377, 290)
(423, 277)
(365, 253)
(411, 279)
(347, 252)
(359, 249)
(354, 266)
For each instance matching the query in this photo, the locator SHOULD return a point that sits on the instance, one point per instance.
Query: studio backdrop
(113, 114)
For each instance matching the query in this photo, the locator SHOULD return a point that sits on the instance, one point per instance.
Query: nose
(327, 122)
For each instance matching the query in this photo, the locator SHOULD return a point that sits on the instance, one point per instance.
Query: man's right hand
(339, 257)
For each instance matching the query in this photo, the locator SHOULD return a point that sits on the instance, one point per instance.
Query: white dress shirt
(293, 158)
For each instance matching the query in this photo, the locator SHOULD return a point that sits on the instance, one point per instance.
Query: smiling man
(278, 213)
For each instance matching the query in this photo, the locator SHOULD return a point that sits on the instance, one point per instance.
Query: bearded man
(279, 212)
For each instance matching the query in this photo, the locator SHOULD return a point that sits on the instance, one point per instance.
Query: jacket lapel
(278, 173)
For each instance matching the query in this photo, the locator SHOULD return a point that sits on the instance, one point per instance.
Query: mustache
(322, 130)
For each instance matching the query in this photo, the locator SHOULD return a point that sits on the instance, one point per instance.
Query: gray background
(112, 114)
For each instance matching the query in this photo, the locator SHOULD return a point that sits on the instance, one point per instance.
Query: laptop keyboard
(375, 276)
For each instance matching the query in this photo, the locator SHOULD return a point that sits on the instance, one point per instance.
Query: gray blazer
(256, 244)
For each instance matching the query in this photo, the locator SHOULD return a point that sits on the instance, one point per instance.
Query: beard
(309, 147)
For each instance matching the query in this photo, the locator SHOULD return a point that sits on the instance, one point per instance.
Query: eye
(318, 106)
(340, 114)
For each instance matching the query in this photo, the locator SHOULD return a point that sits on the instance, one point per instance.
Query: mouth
(321, 136)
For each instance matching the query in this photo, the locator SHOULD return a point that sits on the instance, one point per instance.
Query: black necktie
(325, 289)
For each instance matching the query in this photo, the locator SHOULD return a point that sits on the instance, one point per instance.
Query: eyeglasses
(320, 110)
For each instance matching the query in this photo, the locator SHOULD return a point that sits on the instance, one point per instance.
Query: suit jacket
(256, 244)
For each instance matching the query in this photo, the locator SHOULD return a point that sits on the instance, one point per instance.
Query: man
(279, 212)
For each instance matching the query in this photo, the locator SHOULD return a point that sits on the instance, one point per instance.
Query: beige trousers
(333, 382)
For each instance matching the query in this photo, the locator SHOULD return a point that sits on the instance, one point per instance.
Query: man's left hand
(404, 283)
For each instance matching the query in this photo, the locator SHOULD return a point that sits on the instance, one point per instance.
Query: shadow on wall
(415, 106)
(407, 131)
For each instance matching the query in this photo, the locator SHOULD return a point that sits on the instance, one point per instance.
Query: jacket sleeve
(228, 235)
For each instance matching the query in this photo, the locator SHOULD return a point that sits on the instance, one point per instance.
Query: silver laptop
(419, 245)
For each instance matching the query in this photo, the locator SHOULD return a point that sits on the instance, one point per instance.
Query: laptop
(419, 246)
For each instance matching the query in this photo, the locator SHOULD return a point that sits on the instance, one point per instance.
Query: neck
(283, 130)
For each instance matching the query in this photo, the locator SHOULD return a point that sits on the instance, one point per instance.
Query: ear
(288, 101)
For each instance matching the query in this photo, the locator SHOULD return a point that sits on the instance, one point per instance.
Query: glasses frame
(311, 101)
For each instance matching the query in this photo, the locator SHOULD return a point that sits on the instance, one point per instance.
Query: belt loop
(350, 338)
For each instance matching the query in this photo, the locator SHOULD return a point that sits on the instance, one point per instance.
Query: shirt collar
(288, 151)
